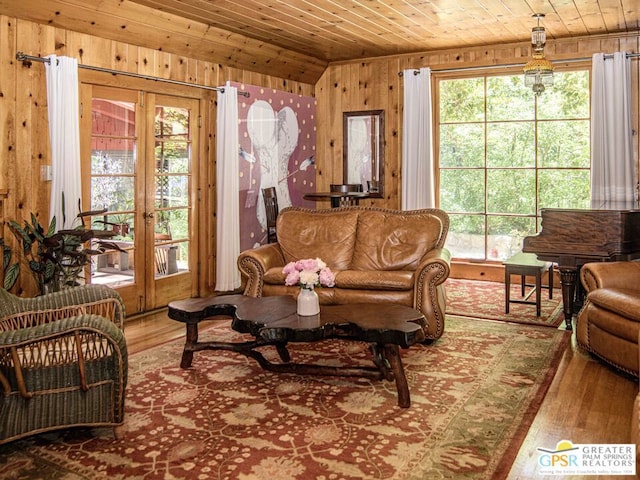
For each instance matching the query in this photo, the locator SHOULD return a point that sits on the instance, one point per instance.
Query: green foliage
(11, 270)
(56, 259)
(508, 99)
(112, 185)
(504, 154)
(462, 100)
(511, 144)
(459, 145)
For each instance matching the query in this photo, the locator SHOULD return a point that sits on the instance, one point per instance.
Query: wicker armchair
(63, 361)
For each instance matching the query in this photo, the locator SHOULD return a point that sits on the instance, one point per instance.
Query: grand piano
(572, 237)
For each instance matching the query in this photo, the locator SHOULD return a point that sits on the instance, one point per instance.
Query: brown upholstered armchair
(609, 322)
(63, 361)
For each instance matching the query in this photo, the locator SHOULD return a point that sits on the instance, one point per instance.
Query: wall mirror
(363, 150)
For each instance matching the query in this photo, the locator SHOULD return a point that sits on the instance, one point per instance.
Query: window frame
(485, 72)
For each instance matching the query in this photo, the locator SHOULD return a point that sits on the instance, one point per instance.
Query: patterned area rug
(478, 299)
(474, 393)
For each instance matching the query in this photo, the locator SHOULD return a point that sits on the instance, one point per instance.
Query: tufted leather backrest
(390, 240)
(326, 234)
(361, 238)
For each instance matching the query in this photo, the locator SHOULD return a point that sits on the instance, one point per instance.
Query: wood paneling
(334, 31)
(23, 107)
(126, 21)
(375, 84)
(296, 39)
(366, 84)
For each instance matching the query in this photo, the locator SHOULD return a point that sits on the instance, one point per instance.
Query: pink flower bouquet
(308, 273)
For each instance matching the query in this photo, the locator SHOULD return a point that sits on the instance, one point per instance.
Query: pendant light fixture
(538, 72)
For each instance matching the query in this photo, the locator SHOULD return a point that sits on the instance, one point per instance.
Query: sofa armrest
(433, 270)
(624, 275)
(254, 263)
(436, 260)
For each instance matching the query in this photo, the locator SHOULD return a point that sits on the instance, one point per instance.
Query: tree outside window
(504, 154)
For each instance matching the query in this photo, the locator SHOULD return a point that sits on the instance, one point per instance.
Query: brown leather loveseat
(609, 322)
(377, 255)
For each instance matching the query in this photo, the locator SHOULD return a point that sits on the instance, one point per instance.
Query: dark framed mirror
(363, 150)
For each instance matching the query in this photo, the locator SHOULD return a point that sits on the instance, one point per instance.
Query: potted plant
(120, 223)
(56, 259)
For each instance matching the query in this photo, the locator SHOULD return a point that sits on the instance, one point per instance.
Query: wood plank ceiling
(297, 39)
(333, 30)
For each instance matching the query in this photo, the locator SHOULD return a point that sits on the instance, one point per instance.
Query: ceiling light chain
(538, 72)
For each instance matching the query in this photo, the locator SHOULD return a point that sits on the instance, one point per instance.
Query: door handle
(147, 215)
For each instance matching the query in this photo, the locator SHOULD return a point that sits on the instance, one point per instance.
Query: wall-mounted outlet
(46, 173)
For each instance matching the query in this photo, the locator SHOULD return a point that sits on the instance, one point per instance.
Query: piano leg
(568, 279)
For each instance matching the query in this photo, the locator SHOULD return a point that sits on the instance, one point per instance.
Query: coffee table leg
(281, 348)
(392, 354)
(192, 339)
(380, 360)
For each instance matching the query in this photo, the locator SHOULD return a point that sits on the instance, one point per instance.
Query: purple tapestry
(277, 135)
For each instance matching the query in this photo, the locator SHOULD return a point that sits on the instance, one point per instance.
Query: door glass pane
(113, 166)
(172, 186)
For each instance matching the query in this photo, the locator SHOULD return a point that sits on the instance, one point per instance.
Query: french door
(139, 150)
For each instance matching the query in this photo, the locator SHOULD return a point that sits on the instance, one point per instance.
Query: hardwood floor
(587, 402)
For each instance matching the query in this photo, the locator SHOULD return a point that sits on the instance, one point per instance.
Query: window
(503, 154)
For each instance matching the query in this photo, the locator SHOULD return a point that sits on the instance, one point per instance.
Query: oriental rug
(486, 300)
(474, 393)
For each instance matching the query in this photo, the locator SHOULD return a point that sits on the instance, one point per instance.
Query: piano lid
(610, 231)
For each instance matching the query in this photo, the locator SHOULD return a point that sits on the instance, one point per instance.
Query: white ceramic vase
(308, 303)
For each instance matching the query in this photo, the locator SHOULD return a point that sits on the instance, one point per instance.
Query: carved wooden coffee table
(273, 321)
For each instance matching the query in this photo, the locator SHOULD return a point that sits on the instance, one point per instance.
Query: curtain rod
(27, 58)
(463, 69)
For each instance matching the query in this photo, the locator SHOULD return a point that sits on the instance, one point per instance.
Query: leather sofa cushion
(375, 280)
(388, 241)
(357, 280)
(308, 235)
(623, 302)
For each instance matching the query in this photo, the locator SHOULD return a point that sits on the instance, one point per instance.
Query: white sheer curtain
(64, 134)
(417, 151)
(613, 167)
(228, 191)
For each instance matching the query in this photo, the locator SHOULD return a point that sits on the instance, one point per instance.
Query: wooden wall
(368, 84)
(375, 84)
(24, 140)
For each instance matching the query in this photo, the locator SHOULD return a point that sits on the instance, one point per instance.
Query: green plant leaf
(11, 274)
(35, 266)
(49, 271)
(6, 256)
(22, 235)
(52, 227)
